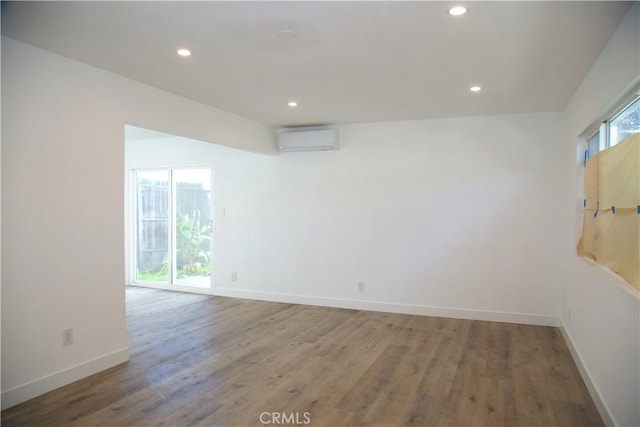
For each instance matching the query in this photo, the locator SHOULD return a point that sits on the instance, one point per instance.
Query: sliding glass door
(192, 230)
(173, 227)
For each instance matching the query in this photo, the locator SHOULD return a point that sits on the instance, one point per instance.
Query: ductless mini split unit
(308, 139)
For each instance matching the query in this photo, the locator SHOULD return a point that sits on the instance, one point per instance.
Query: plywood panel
(611, 223)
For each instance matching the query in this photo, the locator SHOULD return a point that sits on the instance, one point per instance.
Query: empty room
(320, 213)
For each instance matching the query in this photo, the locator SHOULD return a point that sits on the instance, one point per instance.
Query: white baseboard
(422, 310)
(601, 406)
(61, 378)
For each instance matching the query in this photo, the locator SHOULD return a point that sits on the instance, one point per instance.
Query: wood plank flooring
(211, 361)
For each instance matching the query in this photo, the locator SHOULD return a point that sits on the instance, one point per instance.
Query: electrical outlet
(360, 286)
(67, 337)
(234, 277)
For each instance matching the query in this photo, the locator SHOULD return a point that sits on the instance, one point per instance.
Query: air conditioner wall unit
(308, 139)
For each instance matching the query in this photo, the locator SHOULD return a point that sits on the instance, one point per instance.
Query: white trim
(61, 378)
(601, 405)
(174, 288)
(422, 310)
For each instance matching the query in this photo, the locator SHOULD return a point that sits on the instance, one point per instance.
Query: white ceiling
(348, 62)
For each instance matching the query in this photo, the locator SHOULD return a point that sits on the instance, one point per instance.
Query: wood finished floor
(202, 361)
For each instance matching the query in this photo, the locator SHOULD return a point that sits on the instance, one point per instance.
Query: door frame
(132, 227)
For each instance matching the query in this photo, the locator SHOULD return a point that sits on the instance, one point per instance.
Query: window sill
(612, 277)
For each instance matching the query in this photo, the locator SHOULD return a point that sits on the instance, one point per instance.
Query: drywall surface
(63, 208)
(238, 177)
(600, 316)
(446, 214)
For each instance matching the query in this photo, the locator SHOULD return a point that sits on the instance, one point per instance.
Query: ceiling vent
(308, 139)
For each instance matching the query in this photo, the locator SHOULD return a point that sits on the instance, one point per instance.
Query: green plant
(153, 276)
(162, 274)
(192, 241)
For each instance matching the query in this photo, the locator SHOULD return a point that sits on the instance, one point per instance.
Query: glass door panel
(193, 225)
(152, 226)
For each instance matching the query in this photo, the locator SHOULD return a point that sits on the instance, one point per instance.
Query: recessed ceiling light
(184, 52)
(457, 10)
(286, 35)
(292, 104)
(475, 88)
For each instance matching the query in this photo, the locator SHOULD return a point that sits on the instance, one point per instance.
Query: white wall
(464, 217)
(604, 326)
(62, 209)
(445, 217)
(237, 176)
